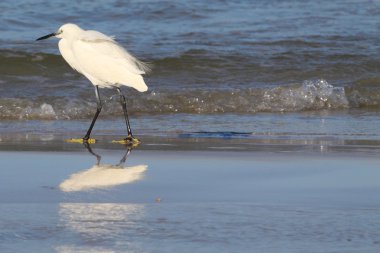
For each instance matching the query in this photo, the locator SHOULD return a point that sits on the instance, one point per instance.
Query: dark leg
(98, 109)
(124, 105)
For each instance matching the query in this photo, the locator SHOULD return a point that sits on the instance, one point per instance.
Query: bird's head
(66, 31)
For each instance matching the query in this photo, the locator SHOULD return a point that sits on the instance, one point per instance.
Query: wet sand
(187, 195)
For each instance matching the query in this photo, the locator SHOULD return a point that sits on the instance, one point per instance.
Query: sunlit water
(188, 201)
(210, 58)
(297, 81)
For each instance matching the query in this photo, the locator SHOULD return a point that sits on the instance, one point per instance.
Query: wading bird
(105, 63)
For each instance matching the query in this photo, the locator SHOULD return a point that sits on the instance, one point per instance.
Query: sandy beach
(171, 195)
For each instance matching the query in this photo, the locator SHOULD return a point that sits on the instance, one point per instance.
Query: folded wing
(106, 63)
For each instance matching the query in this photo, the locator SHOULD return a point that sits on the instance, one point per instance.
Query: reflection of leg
(124, 105)
(124, 158)
(98, 109)
(98, 157)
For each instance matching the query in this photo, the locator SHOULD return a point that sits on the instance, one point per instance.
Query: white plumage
(105, 63)
(100, 58)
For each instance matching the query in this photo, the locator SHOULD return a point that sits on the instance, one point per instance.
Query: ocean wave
(205, 67)
(20, 64)
(309, 96)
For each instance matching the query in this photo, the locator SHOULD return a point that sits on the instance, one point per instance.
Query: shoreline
(194, 142)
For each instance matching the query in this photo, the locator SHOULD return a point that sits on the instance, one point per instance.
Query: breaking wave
(308, 96)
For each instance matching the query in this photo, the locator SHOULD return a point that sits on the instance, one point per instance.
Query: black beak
(46, 36)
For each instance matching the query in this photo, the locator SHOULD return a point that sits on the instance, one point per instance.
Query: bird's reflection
(101, 176)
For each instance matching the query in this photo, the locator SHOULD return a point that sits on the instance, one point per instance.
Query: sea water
(277, 77)
(210, 60)
(166, 201)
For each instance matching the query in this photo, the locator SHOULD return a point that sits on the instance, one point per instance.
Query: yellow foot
(81, 140)
(130, 141)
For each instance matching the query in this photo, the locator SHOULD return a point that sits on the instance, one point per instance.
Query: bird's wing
(106, 45)
(102, 60)
(95, 36)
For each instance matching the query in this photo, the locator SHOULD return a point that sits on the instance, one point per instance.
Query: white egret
(104, 62)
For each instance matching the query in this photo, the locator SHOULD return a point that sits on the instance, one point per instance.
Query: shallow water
(208, 202)
(269, 70)
(216, 227)
(320, 131)
(287, 92)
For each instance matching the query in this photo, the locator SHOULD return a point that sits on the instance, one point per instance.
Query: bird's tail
(146, 67)
(142, 87)
(136, 82)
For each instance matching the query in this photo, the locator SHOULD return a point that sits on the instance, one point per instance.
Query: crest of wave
(311, 95)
